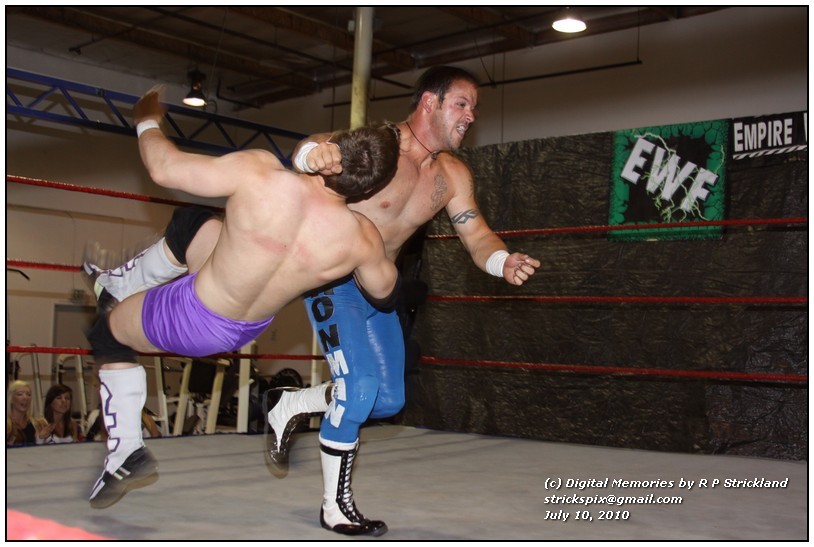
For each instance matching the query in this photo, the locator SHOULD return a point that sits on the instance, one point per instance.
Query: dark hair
(370, 156)
(53, 392)
(437, 80)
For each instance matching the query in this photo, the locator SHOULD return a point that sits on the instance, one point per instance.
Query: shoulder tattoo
(465, 216)
(438, 193)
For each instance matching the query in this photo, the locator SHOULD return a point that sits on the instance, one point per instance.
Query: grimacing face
(455, 114)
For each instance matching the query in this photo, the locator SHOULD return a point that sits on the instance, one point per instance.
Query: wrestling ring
(428, 485)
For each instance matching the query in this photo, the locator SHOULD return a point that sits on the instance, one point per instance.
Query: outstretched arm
(487, 250)
(197, 174)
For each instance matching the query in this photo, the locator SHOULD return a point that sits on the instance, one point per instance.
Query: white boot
(292, 407)
(338, 512)
(123, 394)
(147, 269)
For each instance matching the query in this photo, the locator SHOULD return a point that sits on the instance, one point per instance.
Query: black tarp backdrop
(564, 182)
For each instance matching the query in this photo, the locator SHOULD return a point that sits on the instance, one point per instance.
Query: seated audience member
(57, 426)
(19, 428)
(97, 432)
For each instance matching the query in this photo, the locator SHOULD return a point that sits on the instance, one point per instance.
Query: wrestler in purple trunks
(175, 320)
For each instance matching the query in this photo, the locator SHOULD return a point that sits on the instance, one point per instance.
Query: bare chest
(411, 199)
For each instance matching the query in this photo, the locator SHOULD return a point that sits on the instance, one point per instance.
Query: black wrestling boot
(139, 469)
(338, 512)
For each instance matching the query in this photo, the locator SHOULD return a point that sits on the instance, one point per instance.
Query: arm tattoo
(464, 217)
(437, 198)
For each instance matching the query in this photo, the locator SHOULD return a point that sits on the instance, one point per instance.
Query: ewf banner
(669, 174)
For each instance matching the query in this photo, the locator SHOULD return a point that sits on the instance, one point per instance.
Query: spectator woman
(19, 428)
(57, 426)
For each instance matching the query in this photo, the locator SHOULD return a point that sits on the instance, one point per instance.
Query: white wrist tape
(495, 263)
(299, 160)
(145, 125)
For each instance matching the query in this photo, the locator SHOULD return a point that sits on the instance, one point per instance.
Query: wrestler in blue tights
(367, 366)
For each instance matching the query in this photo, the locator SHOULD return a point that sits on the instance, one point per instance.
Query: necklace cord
(433, 154)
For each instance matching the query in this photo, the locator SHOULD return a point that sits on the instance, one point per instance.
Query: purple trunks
(175, 320)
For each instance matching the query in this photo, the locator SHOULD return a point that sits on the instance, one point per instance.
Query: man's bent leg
(161, 262)
(149, 268)
(289, 406)
(387, 343)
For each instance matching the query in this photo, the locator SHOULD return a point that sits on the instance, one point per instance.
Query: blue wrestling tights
(364, 347)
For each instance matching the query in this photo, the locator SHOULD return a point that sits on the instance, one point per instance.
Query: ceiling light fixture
(569, 22)
(195, 97)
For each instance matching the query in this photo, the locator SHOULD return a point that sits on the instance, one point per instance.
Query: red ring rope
(608, 228)
(80, 351)
(42, 266)
(744, 300)
(631, 299)
(712, 375)
(89, 190)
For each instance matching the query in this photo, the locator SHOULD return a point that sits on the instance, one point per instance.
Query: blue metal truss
(186, 127)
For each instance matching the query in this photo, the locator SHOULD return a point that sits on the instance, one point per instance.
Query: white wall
(691, 70)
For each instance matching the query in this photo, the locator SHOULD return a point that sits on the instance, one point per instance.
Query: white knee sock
(123, 393)
(147, 269)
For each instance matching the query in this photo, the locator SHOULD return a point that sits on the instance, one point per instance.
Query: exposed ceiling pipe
(513, 80)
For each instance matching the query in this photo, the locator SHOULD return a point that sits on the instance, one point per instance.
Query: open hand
(45, 429)
(150, 107)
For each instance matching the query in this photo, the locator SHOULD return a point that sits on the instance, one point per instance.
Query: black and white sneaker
(138, 470)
